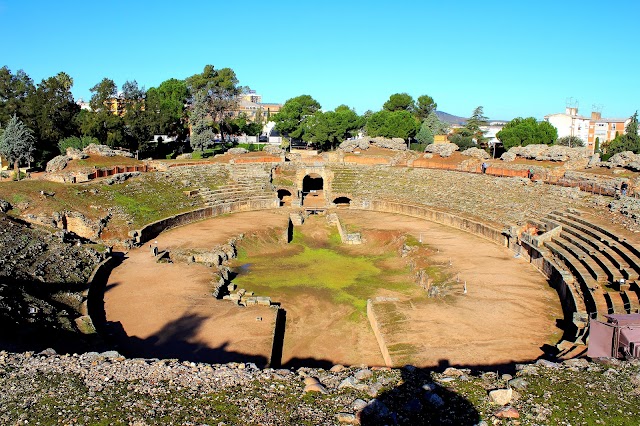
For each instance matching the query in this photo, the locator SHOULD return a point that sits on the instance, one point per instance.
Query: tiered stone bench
(598, 258)
(243, 182)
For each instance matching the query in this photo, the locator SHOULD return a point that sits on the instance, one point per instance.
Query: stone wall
(376, 331)
(93, 315)
(443, 218)
(155, 228)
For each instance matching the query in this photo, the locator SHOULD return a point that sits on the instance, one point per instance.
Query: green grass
(324, 270)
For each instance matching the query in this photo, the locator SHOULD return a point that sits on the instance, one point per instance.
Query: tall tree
(527, 131)
(103, 122)
(290, 120)
(328, 129)
(166, 105)
(137, 124)
(17, 143)
(388, 124)
(425, 135)
(220, 94)
(54, 112)
(473, 127)
(102, 93)
(14, 90)
(202, 135)
(400, 102)
(425, 106)
(437, 126)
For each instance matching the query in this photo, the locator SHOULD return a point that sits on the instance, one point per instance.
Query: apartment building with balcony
(605, 129)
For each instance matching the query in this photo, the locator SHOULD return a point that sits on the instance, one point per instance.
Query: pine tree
(425, 135)
(17, 143)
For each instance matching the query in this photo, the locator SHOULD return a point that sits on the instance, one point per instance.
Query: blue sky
(515, 58)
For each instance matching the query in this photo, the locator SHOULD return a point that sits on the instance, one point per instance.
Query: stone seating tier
(592, 267)
(572, 285)
(628, 259)
(635, 251)
(615, 303)
(612, 271)
(593, 297)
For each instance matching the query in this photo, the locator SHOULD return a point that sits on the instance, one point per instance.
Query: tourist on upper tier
(623, 188)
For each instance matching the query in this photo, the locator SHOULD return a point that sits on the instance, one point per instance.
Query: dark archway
(284, 196)
(312, 182)
(342, 201)
(312, 190)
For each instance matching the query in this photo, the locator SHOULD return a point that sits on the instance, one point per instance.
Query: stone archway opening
(342, 202)
(284, 195)
(313, 190)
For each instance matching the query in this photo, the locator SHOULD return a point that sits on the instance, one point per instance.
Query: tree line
(126, 117)
(204, 107)
(301, 118)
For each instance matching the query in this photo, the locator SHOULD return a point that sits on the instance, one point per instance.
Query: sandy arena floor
(167, 310)
(508, 313)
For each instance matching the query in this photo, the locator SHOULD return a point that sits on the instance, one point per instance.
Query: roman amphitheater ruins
(359, 256)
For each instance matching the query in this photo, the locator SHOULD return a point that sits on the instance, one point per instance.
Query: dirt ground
(166, 310)
(508, 313)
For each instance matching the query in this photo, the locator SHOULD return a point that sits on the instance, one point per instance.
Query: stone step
(615, 304)
(587, 261)
(600, 239)
(630, 299)
(613, 272)
(593, 298)
(628, 250)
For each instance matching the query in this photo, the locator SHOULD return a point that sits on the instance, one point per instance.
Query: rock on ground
(272, 150)
(476, 153)
(236, 151)
(442, 149)
(58, 163)
(105, 151)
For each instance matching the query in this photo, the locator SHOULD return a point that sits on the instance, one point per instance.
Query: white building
(569, 123)
(491, 130)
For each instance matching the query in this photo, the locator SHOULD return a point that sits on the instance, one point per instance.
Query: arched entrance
(313, 190)
(342, 201)
(284, 196)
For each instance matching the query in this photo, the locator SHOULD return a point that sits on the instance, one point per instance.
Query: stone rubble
(476, 153)
(442, 149)
(351, 145)
(57, 164)
(105, 151)
(273, 150)
(236, 151)
(95, 387)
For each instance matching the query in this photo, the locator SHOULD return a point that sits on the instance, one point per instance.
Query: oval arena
(464, 269)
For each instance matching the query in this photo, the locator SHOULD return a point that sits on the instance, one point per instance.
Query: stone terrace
(224, 183)
(490, 199)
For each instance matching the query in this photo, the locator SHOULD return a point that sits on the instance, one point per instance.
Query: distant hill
(450, 118)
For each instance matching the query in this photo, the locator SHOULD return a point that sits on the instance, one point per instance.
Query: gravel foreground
(108, 389)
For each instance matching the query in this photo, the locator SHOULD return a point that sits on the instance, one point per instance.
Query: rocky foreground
(106, 388)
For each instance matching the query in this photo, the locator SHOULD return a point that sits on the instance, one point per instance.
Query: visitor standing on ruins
(624, 187)
(484, 167)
